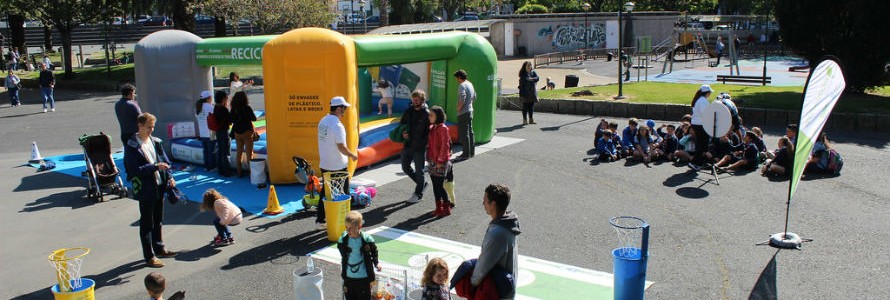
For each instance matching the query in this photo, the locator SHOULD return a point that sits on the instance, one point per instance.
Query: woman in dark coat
(528, 93)
(148, 170)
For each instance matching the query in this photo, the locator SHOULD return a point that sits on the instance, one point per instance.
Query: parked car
(202, 19)
(468, 16)
(142, 18)
(373, 19)
(158, 21)
(721, 27)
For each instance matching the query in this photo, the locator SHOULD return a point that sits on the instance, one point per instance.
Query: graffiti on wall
(574, 36)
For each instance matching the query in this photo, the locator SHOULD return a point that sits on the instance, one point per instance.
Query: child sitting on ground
(669, 143)
(550, 84)
(744, 158)
(155, 284)
(605, 148)
(602, 126)
(646, 145)
(616, 140)
(227, 214)
(627, 136)
(358, 258)
(434, 280)
(686, 146)
(783, 159)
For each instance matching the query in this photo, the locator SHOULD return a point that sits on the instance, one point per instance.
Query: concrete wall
(759, 117)
(565, 32)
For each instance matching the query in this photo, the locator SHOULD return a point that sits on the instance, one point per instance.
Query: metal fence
(578, 55)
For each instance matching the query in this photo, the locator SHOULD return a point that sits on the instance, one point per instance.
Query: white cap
(205, 94)
(705, 88)
(339, 101)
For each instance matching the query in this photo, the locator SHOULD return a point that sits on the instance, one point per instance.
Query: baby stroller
(102, 174)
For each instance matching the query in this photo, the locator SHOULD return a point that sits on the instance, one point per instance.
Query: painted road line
(538, 279)
(389, 172)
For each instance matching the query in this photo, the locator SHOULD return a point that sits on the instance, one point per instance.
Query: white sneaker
(44, 110)
(413, 199)
(52, 109)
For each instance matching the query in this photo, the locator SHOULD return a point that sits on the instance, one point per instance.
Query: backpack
(211, 123)
(835, 162)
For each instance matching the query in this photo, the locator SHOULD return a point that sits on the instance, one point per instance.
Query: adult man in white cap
(332, 150)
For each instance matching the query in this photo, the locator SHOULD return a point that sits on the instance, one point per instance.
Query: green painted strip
(539, 279)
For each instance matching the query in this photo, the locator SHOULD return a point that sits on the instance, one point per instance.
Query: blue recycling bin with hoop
(630, 259)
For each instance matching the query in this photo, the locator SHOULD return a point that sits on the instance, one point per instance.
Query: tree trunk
(219, 27)
(182, 18)
(47, 38)
(17, 32)
(65, 33)
(384, 14)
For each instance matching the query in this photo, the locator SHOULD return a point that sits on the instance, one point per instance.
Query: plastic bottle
(310, 265)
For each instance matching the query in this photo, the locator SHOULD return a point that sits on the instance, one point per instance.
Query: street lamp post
(586, 7)
(629, 7)
(361, 6)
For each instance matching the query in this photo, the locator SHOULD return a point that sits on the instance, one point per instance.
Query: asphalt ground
(702, 242)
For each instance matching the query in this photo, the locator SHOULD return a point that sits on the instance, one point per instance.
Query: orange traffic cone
(35, 154)
(273, 208)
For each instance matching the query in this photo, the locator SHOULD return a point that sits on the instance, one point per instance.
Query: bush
(532, 9)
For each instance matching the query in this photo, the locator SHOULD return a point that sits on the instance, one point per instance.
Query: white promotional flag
(824, 87)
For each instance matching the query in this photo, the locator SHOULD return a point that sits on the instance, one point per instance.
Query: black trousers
(528, 110)
(151, 213)
(357, 289)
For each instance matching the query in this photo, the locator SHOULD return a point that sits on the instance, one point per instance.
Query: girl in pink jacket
(227, 214)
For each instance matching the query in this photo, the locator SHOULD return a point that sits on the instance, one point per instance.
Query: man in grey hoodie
(499, 245)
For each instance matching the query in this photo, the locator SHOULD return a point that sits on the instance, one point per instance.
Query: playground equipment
(303, 69)
(695, 42)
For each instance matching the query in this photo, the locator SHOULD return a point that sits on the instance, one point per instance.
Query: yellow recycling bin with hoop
(336, 203)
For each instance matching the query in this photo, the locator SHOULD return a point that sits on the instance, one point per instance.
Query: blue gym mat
(239, 190)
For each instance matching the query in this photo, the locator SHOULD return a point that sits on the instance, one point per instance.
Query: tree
(273, 16)
(65, 15)
(222, 10)
(855, 31)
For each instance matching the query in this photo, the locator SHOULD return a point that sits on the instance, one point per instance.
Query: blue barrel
(629, 267)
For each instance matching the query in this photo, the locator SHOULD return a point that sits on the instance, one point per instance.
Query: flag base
(785, 240)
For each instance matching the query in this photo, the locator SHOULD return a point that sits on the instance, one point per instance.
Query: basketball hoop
(631, 257)
(334, 183)
(67, 262)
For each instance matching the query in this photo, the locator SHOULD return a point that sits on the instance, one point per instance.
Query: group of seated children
(641, 143)
(740, 149)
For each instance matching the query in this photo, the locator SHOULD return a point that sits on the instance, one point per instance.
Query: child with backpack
(227, 214)
(825, 159)
(358, 258)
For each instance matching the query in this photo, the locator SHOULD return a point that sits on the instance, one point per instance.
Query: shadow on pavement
(281, 251)
(765, 287)
(557, 127)
(117, 276)
(692, 193)
(48, 180)
(510, 129)
(197, 254)
(71, 199)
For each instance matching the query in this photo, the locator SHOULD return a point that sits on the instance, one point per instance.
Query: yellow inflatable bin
(303, 69)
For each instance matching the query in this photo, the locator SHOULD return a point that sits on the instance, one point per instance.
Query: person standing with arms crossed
(47, 86)
(332, 150)
(466, 95)
(127, 110)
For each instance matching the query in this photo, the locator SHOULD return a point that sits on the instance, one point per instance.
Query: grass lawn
(876, 101)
